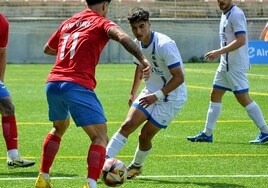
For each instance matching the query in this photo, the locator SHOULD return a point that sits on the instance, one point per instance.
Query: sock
(95, 161)
(213, 114)
(92, 183)
(12, 154)
(115, 145)
(10, 132)
(45, 176)
(50, 148)
(140, 157)
(255, 114)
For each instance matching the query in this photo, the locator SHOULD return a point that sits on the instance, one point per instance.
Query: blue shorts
(3, 91)
(65, 98)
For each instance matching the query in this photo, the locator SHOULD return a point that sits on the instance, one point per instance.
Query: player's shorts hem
(222, 88)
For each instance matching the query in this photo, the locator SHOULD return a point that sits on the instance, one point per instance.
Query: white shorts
(237, 82)
(161, 113)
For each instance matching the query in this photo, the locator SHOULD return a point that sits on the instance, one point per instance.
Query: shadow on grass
(197, 184)
(31, 174)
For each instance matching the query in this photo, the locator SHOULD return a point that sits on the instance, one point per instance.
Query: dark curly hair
(94, 2)
(138, 14)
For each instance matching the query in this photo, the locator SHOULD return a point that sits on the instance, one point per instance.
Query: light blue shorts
(68, 98)
(237, 82)
(161, 113)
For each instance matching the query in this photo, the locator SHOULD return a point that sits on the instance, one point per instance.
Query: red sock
(10, 132)
(95, 161)
(50, 148)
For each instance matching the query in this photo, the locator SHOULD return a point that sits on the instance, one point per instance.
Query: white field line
(152, 177)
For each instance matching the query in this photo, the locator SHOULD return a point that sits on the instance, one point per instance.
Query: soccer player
(162, 98)
(231, 74)
(77, 44)
(264, 33)
(7, 108)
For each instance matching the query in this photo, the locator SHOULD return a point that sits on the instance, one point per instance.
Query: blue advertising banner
(258, 52)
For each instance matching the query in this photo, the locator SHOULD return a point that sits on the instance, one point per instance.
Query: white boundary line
(145, 177)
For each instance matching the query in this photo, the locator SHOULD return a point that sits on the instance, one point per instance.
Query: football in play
(114, 172)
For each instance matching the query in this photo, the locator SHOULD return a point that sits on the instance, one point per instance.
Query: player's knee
(7, 108)
(128, 127)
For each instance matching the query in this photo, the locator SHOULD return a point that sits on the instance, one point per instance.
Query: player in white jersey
(231, 74)
(162, 98)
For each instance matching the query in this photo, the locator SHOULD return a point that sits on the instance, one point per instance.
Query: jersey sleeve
(239, 23)
(3, 32)
(107, 25)
(53, 41)
(170, 54)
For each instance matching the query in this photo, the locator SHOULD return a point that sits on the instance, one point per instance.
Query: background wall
(193, 38)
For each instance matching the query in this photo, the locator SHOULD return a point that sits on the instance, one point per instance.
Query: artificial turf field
(230, 161)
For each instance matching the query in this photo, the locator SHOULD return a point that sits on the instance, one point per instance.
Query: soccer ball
(114, 172)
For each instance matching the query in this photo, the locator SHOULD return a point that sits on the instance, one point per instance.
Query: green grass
(174, 162)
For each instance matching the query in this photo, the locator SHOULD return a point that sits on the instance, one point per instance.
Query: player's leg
(161, 116)
(87, 112)
(59, 115)
(135, 118)
(255, 113)
(10, 132)
(240, 84)
(220, 86)
(97, 152)
(143, 149)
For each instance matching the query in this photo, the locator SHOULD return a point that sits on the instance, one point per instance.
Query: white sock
(115, 145)
(255, 114)
(45, 176)
(213, 114)
(140, 156)
(12, 154)
(92, 183)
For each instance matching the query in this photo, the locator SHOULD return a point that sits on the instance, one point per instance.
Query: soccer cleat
(133, 171)
(19, 162)
(260, 139)
(86, 185)
(201, 137)
(42, 183)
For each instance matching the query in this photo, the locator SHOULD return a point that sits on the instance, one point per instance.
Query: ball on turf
(114, 172)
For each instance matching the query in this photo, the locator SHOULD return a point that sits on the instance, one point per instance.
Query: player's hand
(146, 71)
(212, 55)
(147, 100)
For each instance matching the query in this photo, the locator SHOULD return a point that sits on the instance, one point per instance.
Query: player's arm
(234, 45)
(49, 51)
(3, 55)
(117, 34)
(263, 33)
(136, 84)
(176, 80)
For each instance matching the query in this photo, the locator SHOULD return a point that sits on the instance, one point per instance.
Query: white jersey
(233, 22)
(163, 55)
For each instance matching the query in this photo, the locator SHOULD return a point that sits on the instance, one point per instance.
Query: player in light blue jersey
(231, 74)
(162, 98)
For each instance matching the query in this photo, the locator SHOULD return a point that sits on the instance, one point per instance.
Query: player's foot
(201, 137)
(133, 171)
(260, 139)
(86, 185)
(41, 182)
(19, 162)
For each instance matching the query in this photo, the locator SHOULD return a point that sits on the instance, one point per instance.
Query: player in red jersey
(7, 108)
(77, 44)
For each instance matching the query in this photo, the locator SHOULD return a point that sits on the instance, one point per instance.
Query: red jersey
(79, 42)
(4, 26)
